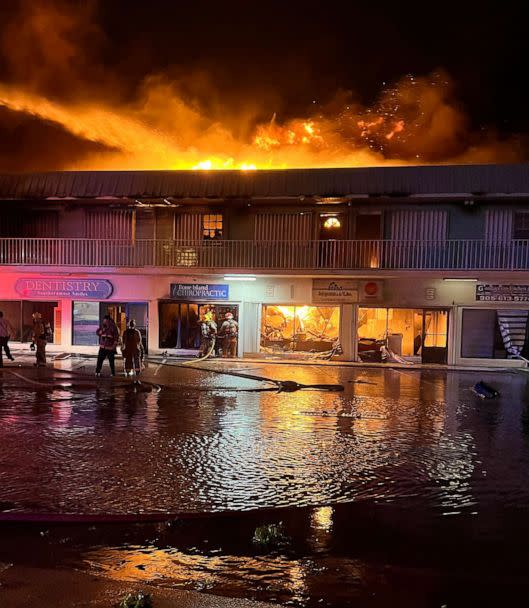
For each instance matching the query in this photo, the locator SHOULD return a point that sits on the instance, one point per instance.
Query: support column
(66, 324)
(154, 326)
(347, 330)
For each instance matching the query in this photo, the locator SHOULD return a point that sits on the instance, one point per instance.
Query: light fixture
(240, 277)
(459, 280)
(332, 222)
(167, 201)
(139, 203)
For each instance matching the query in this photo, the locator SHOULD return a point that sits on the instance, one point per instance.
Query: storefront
(179, 316)
(412, 333)
(299, 329)
(87, 317)
(74, 307)
(19, 314)
(499, 327)
(426, 320)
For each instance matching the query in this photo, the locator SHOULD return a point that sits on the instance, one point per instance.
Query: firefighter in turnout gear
(208, 334)
(42, 332)
(229, 331)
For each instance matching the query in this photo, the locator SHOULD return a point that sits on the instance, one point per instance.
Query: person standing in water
(132, 349)
(229, 331)
(108, 342)
(6, 330)
(40, 339)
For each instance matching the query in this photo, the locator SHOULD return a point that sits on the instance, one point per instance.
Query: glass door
(122, 312)
(435, 336)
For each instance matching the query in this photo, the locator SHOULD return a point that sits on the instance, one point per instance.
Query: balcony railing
(268, 255)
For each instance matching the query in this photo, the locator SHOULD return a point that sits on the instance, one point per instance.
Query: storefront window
(299, 328)
(12, 313)
(494, 334)
(85, 323)
(20, 316)
(87, 317)
(179, 322)
(48, 310)
(404, 331)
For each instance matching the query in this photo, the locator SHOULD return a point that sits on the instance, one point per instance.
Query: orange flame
(412, 121)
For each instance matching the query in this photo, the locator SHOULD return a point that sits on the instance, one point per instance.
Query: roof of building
(375, 181)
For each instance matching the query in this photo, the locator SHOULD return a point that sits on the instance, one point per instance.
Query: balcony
(267, 256)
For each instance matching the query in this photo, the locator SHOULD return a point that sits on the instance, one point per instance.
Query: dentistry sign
(93, 289)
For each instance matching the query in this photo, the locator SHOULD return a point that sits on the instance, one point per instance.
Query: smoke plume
(63, 107)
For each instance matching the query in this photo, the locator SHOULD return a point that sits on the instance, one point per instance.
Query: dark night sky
(280, 55)
(302, 48)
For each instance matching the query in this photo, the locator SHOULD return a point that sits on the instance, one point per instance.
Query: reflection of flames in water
(414, 121)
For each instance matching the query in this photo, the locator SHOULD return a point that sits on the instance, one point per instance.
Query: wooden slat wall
(11, 224)
(108, 224)
(283, 227)
(188, 227)
(415, 225)
(498, 224)
(31, 223)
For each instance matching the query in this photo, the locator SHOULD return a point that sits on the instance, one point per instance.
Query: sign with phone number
(502, 293)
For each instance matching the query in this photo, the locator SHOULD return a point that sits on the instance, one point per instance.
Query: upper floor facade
(314, 221)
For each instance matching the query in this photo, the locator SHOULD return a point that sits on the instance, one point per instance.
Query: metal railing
(268, 255)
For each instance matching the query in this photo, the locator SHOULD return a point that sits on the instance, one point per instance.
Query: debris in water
(484, 391)
(270, 535)
(136, 600)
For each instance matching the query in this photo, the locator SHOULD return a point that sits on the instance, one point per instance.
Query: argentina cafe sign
(334, 291)
(93, 289)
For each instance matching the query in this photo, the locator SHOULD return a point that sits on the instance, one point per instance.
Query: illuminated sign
(502, 293)
(94, 289)
(199, 291)
(333, 291)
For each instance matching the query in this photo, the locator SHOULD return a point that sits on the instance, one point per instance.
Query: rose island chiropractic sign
(93, 289)
(199, 291)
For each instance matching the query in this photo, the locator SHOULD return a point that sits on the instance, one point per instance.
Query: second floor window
(212, 226)
(520, 226)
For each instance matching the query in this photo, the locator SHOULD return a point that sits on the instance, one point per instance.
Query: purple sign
(94, 289)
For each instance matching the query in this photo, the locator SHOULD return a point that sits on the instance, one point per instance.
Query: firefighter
(229, 331)
(108, 341)
(39, 339)
(208, 333)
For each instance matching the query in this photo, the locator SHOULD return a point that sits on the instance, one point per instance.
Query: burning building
(426, 262)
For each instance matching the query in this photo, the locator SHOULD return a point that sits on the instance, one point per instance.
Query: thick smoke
(65, 108)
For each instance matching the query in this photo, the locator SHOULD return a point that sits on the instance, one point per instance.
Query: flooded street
(404, 480)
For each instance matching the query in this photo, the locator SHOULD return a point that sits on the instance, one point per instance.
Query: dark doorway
(435, 336)
(122, 312)
(180, 322)
(368, 227)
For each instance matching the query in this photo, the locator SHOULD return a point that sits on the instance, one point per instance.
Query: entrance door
(332, 226)
(122, 312)
(180, 322)
(435, 336)
(368, 228)
(332, 230)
